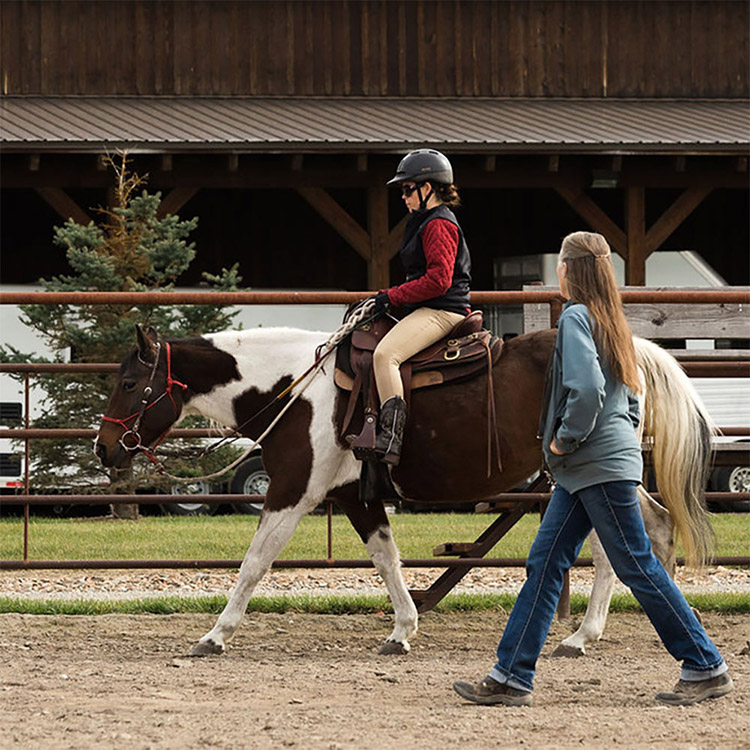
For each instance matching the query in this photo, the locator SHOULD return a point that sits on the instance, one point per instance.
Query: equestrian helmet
(422, 165)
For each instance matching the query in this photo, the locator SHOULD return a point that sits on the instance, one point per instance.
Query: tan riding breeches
(415, 332)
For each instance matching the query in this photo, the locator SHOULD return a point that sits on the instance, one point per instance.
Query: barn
(278, 123)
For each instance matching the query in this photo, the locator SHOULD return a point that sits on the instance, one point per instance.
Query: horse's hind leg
(659, 527)
(592, 626)
(374, 529)
(274, 531)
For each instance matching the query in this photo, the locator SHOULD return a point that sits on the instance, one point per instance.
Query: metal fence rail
(714, 368)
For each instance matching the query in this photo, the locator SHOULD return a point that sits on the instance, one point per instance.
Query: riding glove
(381, 302)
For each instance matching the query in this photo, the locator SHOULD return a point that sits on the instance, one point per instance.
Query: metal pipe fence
(714, 368)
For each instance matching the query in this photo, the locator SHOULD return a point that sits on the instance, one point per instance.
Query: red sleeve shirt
(440, 244)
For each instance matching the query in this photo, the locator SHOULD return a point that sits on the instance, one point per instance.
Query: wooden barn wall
(399, 48)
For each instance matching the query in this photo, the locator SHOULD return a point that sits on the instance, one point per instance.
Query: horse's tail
(680, 430)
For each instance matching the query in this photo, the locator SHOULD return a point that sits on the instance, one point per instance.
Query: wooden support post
(33, 162)
(175, 200)
(378, 271)
(553, 163)
(635, 228)
(490, 163)
(166, 162)
(63, 204)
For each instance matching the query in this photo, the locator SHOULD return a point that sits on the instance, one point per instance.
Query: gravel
(127, 584)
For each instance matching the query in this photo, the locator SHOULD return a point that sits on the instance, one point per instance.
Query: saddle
(466, 352)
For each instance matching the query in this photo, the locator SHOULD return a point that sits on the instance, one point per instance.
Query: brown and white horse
(230, 376)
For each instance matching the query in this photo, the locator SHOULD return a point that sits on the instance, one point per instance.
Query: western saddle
(464, 353)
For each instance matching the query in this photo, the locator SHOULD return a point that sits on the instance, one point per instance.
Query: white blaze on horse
(229, 377)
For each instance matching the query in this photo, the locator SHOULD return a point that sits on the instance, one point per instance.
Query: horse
(233, 378)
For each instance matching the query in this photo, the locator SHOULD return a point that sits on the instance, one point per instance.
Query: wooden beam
(635, 232)
(175, 200)
(378, 270)
(588, 210)
(63, 204)
(674, 216)
(338, 218)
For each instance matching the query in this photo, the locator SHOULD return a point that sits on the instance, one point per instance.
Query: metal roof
(335, 124)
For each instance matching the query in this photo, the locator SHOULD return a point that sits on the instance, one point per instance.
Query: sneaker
(489, 692)
(686, 692)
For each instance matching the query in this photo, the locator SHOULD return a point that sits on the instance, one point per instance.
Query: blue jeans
(612, 509)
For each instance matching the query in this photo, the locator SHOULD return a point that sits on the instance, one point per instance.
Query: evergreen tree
(131, 249)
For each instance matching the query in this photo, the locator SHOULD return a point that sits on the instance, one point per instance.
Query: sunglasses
(407, 190)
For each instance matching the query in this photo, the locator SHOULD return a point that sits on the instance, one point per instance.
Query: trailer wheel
(250, 478)
(732, 479)
(190, 509)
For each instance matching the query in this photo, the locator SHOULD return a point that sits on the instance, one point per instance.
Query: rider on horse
(435, 294)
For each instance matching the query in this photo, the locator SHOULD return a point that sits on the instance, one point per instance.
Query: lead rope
(359, 315)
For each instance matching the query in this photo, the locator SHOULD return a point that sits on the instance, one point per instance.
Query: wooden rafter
(674, 216)
(595, 216)
(63, 204)
(338, 218)
(175, 200)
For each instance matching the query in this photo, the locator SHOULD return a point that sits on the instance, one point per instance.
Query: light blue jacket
(591, 414)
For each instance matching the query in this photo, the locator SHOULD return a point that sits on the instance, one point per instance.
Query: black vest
(456, 299)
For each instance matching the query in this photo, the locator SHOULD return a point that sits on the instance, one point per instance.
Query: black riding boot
(390, 434)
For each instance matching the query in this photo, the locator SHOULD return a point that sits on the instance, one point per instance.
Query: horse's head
(144, 403)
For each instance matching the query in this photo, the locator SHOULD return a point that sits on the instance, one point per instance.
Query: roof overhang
(386, 125)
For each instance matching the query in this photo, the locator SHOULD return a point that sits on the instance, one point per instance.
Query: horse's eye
(128, 385)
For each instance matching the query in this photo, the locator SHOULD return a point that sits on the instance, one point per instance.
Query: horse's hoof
(393, 647)
(569, 651)
(206, 648)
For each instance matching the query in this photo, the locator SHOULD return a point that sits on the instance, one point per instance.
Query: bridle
(362, 313)
(131, 433)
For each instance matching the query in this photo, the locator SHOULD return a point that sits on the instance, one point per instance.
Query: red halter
(145, 405)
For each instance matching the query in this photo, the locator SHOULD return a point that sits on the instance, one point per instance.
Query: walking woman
(592, 451)
(435, 295)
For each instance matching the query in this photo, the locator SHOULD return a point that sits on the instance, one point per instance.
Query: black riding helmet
(422, 165)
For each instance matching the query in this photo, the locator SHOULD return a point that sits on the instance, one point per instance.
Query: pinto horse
(231, 376)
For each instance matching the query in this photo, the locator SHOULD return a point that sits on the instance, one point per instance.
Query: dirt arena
(315, 681)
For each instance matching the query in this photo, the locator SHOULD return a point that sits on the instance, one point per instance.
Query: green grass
(724, 603)
(227, 537)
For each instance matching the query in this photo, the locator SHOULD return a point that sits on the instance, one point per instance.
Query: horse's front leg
(274, 532)
(373, 527)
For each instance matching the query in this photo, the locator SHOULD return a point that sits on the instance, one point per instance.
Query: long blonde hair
(590, 280)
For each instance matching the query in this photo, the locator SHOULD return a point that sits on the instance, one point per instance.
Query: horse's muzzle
(111, 458)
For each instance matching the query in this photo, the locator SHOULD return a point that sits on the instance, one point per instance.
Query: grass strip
(722, 603)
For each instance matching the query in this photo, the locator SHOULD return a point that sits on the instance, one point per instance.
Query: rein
(357, 317)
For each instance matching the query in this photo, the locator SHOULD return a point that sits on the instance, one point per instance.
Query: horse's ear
(146, 341)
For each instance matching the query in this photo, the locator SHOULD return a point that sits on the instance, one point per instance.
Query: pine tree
(131, 249)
